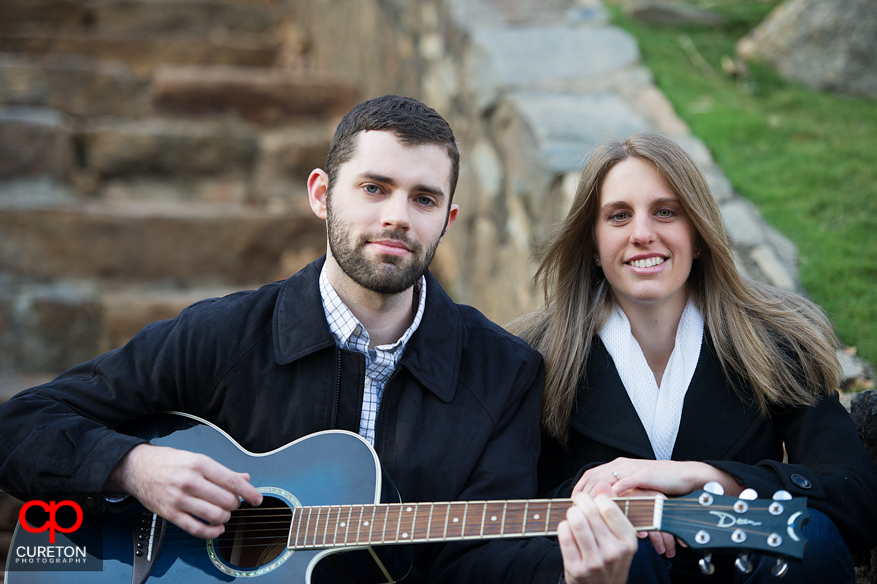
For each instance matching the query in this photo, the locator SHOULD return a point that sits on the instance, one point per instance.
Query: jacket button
(801, 481)
(91, 503)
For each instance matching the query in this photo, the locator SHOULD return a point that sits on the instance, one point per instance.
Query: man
(364, 339)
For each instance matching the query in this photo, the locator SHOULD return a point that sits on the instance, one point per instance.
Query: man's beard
(386, 274)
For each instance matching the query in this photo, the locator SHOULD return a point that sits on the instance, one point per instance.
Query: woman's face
(645, 240)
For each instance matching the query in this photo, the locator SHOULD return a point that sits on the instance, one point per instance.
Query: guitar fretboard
(350, 525)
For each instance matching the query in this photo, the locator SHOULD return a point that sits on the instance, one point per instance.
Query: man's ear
(452, 216)
(318, 190)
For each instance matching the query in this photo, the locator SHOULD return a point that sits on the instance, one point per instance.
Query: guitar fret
(411, 534)
(371, 525)
(429, 524)
(359, 524)
(347, 524)
(384, 530)
(308, 525)
(447, 517)
(547, 516)
(505, 508)
(465, 514)
(399, 523)
(317, 527)
(526, 511)
(483, 518)
(337, 518)
(492, 520)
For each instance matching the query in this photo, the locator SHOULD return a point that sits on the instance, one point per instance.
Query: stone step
(79, 86)
(49, 327)
(192, 17)
(144, 52)
(266, 96)
(140, 241)
(13, 12)
(118, 147)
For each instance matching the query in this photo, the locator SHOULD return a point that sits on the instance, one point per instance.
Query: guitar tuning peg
(782, 495)
(743, 564)
(707, 568)
(780, 568)
(749, 495)
(714, 488)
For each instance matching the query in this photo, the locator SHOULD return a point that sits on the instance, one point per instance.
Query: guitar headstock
(709, 521)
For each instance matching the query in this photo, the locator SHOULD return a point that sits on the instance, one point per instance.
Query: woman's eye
(666, 213)
(619, 216)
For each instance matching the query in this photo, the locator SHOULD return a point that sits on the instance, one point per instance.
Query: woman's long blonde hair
(782, 345)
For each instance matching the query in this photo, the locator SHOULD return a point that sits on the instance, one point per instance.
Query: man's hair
(413, 123)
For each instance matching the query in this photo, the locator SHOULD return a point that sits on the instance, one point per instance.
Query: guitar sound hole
(254, 536)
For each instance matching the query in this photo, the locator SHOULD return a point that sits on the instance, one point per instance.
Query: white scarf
(659, 408)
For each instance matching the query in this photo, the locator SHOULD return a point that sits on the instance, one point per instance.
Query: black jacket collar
(605, 413)
(432, 355)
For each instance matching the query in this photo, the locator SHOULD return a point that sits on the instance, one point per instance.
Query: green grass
(807, 159)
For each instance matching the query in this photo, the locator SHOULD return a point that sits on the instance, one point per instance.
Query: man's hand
(636, 477)
(190, 490)
(597, 541)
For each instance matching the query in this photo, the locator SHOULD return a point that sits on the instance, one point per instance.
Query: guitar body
(327, 468)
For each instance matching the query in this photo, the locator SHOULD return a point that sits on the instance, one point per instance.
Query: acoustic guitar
(331, 514)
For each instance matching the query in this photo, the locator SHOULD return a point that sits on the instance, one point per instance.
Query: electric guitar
(330, 514)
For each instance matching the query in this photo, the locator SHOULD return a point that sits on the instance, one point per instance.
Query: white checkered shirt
(380, 362)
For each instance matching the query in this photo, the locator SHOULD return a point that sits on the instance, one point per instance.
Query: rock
(51, 11)
(34, 141)
(667, 14)
(262, 95)
(143, 54)
(167, 147)
(194, 17)
(154, 240)
(78, 86)
(826, 44)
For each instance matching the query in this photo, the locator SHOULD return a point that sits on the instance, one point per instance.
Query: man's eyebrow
(421, 188)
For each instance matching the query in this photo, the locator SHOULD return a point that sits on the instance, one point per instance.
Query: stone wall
(529, 87)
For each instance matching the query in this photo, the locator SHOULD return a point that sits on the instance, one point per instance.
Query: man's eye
(425, 201)
(372, 189)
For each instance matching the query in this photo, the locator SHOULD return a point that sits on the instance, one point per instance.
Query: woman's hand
(648, 478)
(668, 477)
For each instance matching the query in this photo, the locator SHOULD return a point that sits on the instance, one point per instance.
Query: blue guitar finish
(328, 468)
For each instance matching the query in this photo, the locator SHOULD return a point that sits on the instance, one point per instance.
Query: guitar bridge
(147, 533)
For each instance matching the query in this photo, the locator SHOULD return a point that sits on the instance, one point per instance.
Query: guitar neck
(383, 524)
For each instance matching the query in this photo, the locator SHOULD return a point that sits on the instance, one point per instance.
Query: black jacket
(827, 462)
(459, 419)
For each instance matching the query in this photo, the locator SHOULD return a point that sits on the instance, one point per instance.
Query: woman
(666, 369)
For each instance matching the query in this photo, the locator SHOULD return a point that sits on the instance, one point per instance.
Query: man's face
(387, 211)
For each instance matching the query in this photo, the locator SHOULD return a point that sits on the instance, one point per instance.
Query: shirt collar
(347, 329)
